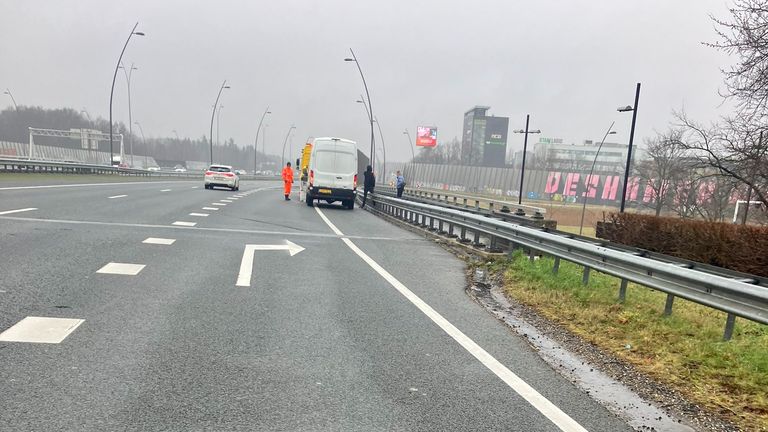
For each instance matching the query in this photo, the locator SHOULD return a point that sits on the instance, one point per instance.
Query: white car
(223, 176)
(180, 170)
(155, 169)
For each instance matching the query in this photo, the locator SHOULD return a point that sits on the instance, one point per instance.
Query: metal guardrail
(8, 164)
(466, 200)
(737, 294)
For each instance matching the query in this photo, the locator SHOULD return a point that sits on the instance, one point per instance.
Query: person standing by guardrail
(288, 180)
(400, 184)
(368, 183)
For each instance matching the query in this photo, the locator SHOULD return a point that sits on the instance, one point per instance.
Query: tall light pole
(256, 142)
(629, 148)
(112, 91)
(213, 114)
(8, 92)
(588, 180)
(368, 96)
(218, 118)
(410, 145)
(282, 157)
(525, 151)
(264, 140)
(143, 140)
(383, 147)
(128, 75)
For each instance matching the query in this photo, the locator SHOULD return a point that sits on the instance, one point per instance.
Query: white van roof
(335, 139)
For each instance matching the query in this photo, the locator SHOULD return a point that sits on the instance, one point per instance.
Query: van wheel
(349, 204)
(309, 201)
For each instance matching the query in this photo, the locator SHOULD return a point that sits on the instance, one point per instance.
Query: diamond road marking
(121, 269)
(40, 330)
(182, 223)
(159, 241)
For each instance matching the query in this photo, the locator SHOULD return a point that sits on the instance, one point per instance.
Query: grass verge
(684, 350)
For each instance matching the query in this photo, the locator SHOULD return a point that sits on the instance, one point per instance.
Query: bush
(736, 247)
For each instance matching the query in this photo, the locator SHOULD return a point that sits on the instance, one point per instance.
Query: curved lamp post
(629, 149)
(588, 181)
(143, 140)
(213, 114)
(282, 157)
(128, 74)
(8, 92)
(525, 151)
(368, 96)
(256, 142)
(112, 91)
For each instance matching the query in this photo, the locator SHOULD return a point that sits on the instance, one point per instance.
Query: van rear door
(334, 165)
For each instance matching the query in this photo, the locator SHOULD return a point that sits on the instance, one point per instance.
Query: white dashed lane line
(226, 201)
(165, 190)
(117, 196)
(186, 224)
(40, 330)
(199, 214)
(121, 269)
(159, 241)
(218, 204)
(17, 211)
(210, 208)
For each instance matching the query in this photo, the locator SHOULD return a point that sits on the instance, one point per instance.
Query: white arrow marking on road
(246, 265)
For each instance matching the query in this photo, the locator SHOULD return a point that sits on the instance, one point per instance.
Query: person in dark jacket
(368, 184)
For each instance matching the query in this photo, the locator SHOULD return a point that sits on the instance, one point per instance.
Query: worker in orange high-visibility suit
(288, 180)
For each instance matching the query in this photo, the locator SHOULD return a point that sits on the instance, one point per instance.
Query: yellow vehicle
(304, 170)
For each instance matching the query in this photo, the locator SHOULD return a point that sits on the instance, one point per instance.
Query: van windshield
(334, 161)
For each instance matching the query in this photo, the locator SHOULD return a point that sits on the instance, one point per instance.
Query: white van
(333, 171)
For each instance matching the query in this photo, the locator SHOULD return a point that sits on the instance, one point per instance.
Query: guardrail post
(463, 234)
(623, 291)
(465, 203)
(494, 244)
(490, 207)
(556, 267)
(585, 276)
(477, 205)
(730, 323)
(668, 305)
(454, 200)
(531, 254)
(440, 226)
(476, 240)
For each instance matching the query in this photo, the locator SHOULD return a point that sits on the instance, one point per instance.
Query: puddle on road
(618, 398)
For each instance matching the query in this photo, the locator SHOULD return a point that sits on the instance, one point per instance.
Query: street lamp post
(144, 141)
(588, 180)
(629, 148)
(8, 92)
(112, 91)
(128, 75)
(410, 145)
(368, 96)
(282, 157)
(218, 118)
(256, 142)
(213, 114)
(525, 151)
(383, 147)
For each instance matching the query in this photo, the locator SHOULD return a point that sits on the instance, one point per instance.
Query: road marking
(117, 196)
(121, 269)
(226, 201)
(195, 187)
(522, 388)
(246, 264)
(41, 330)
(199, 214)
(91, 184)
(17, 211)
(218, 204)
(210, 208)
(165, 190)
(159, 241)
(185, 224)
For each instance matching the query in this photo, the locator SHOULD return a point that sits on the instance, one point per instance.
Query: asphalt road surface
(165, 306)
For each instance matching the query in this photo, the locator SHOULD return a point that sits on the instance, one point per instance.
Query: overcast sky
(568, 63)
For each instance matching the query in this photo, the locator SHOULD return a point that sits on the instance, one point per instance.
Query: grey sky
(567, 63)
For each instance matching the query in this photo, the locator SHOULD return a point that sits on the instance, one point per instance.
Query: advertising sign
(426, 136)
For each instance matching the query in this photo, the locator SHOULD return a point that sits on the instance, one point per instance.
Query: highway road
(165, 306)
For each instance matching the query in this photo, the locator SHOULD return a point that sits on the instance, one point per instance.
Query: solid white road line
(186, 224)
(199, 214)
(40, 330)
(210, 208)
(542, 404)
(90, 184)
(17, 211)
(121, 269)
(165, 190)
(159, 241)
(117, 196)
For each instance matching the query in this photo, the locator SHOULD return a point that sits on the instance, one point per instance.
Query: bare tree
(663, 167)
(736, 148)
(745, 35)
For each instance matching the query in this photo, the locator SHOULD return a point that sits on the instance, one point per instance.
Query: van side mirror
(298, 162)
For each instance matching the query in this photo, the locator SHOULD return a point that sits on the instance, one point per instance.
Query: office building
(484, 140)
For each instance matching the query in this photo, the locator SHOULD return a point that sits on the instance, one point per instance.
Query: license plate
(218, 178)
(324, 191)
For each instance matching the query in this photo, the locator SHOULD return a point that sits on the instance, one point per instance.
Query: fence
(62, 154)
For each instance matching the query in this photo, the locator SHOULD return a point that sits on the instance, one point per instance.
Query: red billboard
(426, 136)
